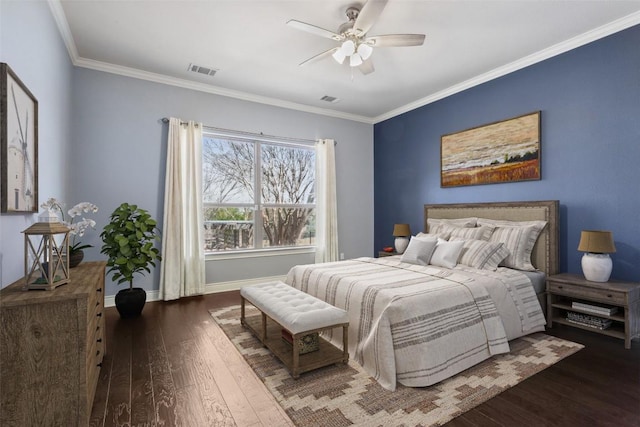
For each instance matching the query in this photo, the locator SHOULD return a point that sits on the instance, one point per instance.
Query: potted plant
(129, 242)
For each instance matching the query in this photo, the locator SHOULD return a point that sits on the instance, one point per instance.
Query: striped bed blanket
(418, 325)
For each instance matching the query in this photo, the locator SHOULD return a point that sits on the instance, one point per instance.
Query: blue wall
(590, 146)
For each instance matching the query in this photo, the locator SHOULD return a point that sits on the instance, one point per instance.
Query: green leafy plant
(129, 240)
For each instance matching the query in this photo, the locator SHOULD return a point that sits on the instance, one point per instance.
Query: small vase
(75, 258)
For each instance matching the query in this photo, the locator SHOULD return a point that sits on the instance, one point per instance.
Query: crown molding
(557, 49)
(63, 27)
(202, 87)
(573, 43)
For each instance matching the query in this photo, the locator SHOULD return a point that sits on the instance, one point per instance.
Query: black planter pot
(130, 302)
(75, 258)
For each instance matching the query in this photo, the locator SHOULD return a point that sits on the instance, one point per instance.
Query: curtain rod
(259, 135)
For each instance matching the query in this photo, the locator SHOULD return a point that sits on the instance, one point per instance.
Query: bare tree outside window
(280, 214)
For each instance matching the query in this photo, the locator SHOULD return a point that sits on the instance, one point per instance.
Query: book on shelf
(588, 320)
(607, 310)
(600, 327)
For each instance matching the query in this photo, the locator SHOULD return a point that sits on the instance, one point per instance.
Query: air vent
(207, 71)
(329, 98)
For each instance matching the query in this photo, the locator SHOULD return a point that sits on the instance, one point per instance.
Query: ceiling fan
(353, 39)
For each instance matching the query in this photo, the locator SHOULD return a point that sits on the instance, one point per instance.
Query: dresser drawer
(54, 339)
(603, 295)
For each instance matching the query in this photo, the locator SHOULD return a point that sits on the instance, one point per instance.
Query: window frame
(258, 233)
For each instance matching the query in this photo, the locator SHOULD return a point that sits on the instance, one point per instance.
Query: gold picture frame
(18, 144)
(504, 151)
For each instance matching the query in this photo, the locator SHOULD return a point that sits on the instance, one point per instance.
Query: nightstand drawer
(604, 295)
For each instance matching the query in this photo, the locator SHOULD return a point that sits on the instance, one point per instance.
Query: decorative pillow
(520, 242)
(506, 223)
(481, 254)
(419, 250)
(446, 254)
(478, 233)
(431, 236)
(457, 222)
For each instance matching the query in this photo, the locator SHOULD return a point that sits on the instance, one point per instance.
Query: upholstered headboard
(545, 253)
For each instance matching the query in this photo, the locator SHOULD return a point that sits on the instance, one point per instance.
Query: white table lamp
(402, 232)
(596, 262)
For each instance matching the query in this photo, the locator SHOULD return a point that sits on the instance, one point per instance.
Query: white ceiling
(257, 54)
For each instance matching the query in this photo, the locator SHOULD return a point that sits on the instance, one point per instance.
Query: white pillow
(506, 223)
(478, 233)
(419, 250)
(482, 255)
(429, 236)
(446, 254)
(458, 222)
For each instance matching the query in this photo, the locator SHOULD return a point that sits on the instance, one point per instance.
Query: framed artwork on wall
(504, 151)
(18, 144)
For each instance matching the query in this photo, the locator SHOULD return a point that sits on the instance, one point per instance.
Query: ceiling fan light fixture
(355, 60)
(348, 48)
(339, 56)
(365, 51)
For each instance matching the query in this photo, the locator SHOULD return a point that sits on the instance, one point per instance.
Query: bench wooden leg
(242, 313)
(296, 356)
(345, 343)
(263, 333)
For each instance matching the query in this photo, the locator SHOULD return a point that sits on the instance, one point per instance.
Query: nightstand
(610, 308)
(383, 253)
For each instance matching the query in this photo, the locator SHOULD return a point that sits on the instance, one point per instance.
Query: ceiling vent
(331, 99)
(207, 71)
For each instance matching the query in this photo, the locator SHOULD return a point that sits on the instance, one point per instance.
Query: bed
(418, 324)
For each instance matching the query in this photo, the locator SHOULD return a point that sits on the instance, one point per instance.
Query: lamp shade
(401, 230)
(339, 56)
(365, 51)
(597, 242)
(355, 60)
(348, 47)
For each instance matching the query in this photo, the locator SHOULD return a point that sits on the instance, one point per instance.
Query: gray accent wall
(31, 44)
(119, 154)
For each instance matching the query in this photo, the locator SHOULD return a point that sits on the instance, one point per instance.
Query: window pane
(227, 171)
(288, 227)
(288, 174)
(228, 228)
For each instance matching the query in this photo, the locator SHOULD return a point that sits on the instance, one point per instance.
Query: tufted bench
(284, 307)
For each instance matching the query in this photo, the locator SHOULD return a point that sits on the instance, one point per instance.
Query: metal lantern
(46, 264)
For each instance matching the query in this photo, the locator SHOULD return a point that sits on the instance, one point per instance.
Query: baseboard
(212, 288)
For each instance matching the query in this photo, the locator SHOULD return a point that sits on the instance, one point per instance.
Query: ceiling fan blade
(319, 56)
(366, 67)
(299, 25)
(394, 40)
(368, 16)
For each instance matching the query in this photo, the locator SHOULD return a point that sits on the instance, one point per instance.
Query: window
(257, 193)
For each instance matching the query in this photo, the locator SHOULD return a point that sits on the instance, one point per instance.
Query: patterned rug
(344, 395)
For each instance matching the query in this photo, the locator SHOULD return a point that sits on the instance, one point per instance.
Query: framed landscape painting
(503, 151)
(18, 144)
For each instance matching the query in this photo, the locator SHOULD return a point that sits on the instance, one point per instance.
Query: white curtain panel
(182, 266)
(326, 204)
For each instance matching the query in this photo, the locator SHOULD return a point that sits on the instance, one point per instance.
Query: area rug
(344, 395)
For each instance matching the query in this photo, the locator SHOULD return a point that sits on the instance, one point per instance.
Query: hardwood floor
(174, 367)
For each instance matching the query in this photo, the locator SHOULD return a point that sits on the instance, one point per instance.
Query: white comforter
(421, 324)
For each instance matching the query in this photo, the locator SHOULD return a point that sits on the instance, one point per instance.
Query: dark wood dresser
(51, 349)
